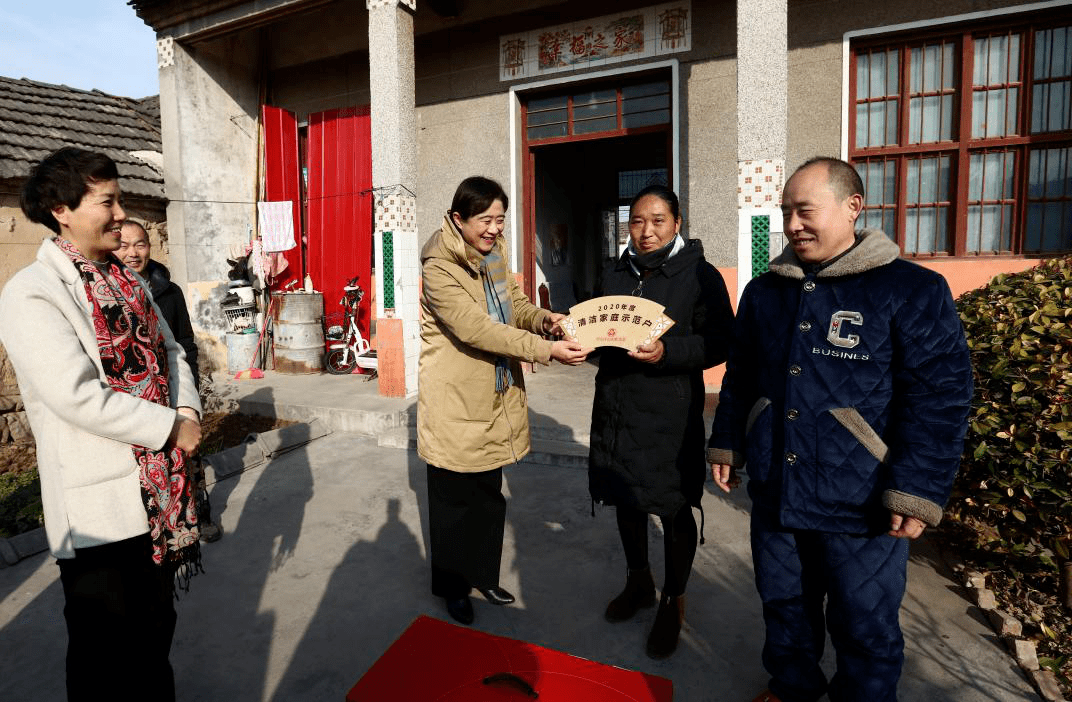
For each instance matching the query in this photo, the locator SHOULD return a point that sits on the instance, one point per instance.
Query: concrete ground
(323, 565)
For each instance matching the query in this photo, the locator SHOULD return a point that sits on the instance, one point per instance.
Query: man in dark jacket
(846, 394)
(135, 251)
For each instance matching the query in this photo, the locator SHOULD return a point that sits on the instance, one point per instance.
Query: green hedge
(20, 503)
(1015, 484)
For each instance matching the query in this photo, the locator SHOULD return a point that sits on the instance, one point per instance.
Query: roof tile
(38, 118)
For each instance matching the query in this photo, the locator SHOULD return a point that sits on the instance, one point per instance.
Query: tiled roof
(38, 118)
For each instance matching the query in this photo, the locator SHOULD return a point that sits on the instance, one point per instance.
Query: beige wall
(19, 238)
(814, 82)
(709, 157)
(456, 140)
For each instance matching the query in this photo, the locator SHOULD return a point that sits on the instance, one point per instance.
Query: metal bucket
(298, 333)
(240, 351)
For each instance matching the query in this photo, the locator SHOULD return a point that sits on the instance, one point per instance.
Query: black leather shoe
(460, 610)
(497, 596)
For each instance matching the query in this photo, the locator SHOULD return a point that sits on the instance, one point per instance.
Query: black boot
(639, 592)
(662, 641)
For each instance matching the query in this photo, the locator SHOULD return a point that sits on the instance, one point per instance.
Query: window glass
(551, 130)
(990, 201)
(535, 119)
(646, 104)
(1049, 193)
(646, 119)
(863, 82)
(588, 110)
(926, 195)
(1053, 54)
(549, 103)
(595, 111)
(995, 102)
(880, 195)
(877, 82)
(582, 125)
(877, 74)
(1051, 107)
(547, 117)
(1009, 191)
(661, 87)
(931, 107)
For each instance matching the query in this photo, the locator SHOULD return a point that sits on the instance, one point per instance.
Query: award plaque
(616, 320)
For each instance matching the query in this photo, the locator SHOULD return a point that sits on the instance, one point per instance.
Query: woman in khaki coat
(472, 414)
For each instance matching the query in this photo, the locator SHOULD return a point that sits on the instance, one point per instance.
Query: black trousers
(120, 614)
(679, 541)
(466, 520)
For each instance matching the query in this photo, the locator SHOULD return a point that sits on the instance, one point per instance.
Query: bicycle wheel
(339, 362)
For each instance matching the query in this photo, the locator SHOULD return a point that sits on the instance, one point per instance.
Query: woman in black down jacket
(647, 445)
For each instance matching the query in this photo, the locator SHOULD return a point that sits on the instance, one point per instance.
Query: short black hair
(663, 193)
(475, 195)
(139, 225)
(843, 178)
(62, 178)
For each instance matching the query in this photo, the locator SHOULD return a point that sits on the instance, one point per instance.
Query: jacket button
(805, 326)
(792, 414)
(809, 285)
(794, 370)
(790, 458)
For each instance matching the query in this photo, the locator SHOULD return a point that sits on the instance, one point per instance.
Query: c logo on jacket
(837, 321)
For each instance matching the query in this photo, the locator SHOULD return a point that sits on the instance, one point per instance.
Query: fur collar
(874, 249)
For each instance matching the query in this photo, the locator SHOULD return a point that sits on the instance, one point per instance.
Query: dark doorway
(581, 195)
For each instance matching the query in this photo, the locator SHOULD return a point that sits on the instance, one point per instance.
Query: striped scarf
(135, 361)
(494, 274)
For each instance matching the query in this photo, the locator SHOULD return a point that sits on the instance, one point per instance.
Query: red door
(281, 180)
(340, 206)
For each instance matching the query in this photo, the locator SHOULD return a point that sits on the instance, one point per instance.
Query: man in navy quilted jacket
(846, 394)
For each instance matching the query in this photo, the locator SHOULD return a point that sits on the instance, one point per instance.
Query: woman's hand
(551, 326)
(185, 433)
(649, 353)
(569, 352)
(725, 476)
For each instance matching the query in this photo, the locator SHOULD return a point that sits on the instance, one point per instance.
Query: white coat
(84, 429)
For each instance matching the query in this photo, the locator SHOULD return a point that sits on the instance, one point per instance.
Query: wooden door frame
(523, 218)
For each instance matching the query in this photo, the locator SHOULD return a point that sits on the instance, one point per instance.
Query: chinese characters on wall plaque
(637, 34)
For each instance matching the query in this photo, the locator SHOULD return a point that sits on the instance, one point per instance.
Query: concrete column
(394, 178)
(208, 119)
(762, 95)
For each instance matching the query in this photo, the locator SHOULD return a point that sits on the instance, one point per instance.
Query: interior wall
(326, 84)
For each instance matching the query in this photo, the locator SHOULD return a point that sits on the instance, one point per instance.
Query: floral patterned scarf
(132, 351)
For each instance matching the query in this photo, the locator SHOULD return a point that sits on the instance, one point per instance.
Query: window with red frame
(963, 137)
(610, 110)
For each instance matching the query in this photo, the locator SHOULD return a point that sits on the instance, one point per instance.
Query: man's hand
(649, 353)
(551, 326)
(725, 476)
(903, 527)
(569, 352)
(186, 432)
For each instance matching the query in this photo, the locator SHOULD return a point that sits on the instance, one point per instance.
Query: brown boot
(662, 642)
(639, 592)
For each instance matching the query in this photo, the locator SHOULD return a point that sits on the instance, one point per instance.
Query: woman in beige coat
(472, 415)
